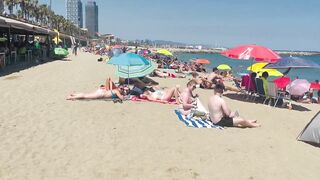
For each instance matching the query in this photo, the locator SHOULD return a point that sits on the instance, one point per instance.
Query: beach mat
(195, 122)
(138, 99)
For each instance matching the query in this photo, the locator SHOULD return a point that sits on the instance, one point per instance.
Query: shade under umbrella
(292, 62)
(252, 52)
(135, 71)
(298, 87)
(129, 59)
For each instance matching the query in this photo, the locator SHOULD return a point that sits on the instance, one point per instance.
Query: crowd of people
(168, 67)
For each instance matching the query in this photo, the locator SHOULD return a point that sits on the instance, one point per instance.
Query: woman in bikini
(162, 95)
(110, 90)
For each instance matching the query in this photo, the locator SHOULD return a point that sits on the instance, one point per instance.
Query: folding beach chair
(260, 90)
(274, 93)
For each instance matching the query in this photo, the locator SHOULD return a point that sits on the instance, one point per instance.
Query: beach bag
(199, 114)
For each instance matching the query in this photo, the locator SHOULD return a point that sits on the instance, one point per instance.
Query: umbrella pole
(287, 71)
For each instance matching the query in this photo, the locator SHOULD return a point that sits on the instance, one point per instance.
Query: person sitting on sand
(187, 98)
(162, 95)
(109, 91)
(221, 115)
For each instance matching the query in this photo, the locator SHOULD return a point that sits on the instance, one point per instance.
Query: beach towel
(138, 99)
(196, 122)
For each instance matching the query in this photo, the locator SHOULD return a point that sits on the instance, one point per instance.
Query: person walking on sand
(221, 115)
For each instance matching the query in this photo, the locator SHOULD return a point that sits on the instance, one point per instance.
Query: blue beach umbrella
(129, 59)
(135, 71)
(292, 62)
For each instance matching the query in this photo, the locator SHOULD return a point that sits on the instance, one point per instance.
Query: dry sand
(44, 136)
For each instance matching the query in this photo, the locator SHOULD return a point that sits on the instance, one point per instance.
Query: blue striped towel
(196, 122)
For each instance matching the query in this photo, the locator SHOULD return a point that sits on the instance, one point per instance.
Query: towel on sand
(196, 122)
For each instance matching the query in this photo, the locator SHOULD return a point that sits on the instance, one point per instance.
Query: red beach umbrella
(315, 85)
(282, 82)
(252, 52)
(202, 61)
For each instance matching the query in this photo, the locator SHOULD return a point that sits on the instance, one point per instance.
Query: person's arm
(120, 96)
(185, 103)
(225, 109)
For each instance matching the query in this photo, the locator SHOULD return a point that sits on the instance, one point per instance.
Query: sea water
(240, 66)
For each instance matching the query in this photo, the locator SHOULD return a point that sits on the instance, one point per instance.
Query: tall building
(75, 12)
(1, 6)
(92, 23)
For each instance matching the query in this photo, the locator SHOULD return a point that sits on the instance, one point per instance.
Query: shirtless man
(221, 115)
(188, 102)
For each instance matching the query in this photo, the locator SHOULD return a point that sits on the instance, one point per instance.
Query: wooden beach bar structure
(15, 41)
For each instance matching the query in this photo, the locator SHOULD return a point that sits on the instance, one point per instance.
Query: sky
(278, 24)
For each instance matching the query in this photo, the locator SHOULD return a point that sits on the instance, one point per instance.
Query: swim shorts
(225, 121)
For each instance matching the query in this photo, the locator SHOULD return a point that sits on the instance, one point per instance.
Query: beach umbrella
(116, 52)
(292, 62)
(224, 67)
(129, 59)
(298, 87)
(164, 52)
(282, 82)
(258, 68)
(144, 52)
(135, 71)
(315, 85)
(60, 52)
(202, 61)
(271, 72)
(117, 47)
(252, 52)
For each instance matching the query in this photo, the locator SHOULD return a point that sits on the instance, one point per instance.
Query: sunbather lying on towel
(161, 74)
(162, 95)
(221, 115)
(107, 91)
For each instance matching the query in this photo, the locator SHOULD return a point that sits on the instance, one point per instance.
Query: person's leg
(169, 93)
(93, 95)
(240, 122)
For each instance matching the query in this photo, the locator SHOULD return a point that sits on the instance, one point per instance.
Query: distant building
(1, 6)
(75, 12)
(92, 17)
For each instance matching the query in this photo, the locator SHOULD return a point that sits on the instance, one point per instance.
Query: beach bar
(17, 41)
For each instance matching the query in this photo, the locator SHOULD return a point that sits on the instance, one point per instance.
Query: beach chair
(260, 90)
(274, 93)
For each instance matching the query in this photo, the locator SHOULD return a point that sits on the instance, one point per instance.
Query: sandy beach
(43, 136)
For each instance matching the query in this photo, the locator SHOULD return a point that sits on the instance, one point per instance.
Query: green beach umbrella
(60, 52)
(224, 67)
(164, 52)
(135, 71)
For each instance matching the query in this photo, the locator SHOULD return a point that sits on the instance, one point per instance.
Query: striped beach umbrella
(135, 71)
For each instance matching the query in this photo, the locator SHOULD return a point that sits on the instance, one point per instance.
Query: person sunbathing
(164, 74)
(162, 95)
(221, 115)
(108, 91)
